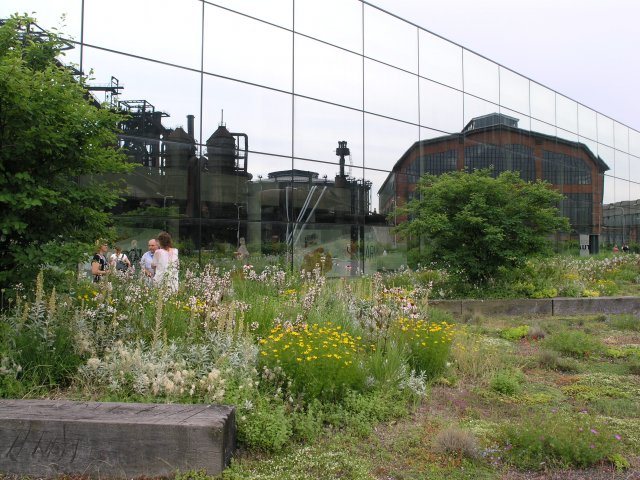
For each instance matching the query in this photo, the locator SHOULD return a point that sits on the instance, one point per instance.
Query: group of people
(625, 248)
(159, 265)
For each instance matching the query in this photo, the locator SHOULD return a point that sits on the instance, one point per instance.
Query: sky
(584, 49)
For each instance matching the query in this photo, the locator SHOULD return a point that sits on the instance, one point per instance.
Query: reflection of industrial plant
(212, 198)
(495, 141)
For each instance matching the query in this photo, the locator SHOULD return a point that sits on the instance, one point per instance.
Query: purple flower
(594, 431)
(617, 437)
(592, 446)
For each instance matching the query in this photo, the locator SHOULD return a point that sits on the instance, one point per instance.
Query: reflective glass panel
(267, 62)
(542, 127)
(481, 77)
(440, 107)
(327, 73)
(334, 21)
(386, 141)
(151, 82)
(543, 104)
(524, 121)
(264, 115)
(566, 114)
(622, 165)
(605, 130)
(475, 107)
(397, 46)
(587, 123)
(621, 193)
(48, 15)
(249, 207)
(440, 60)
(325, 214)
(634, 143)
(174, 36)
(320, 126)
(621, 137)
(567, 135)
(390, 92)
(277, 12)
(609, 194)
(590, 144)
(514, 92)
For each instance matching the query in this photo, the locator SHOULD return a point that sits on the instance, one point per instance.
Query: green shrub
(507, 382)
(359, 413)
(553, 361)
(559, 440)
(267, 426)
(308, 423)
(574, 342)
(515, 333)
(321, 361)
(428, 342)
(387, 365)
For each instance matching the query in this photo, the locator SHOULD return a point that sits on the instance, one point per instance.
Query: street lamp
(621, 208)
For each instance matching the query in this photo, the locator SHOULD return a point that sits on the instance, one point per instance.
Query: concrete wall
(543, 306)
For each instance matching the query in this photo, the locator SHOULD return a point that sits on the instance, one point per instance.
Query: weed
(456, 441)
(625, 322)
(574, 342)
(536, 332)
(560, 440)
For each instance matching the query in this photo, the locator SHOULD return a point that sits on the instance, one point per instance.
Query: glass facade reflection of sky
(286, 123)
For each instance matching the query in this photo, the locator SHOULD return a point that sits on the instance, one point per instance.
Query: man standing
(148, 270)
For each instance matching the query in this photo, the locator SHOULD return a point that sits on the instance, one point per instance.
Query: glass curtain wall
(297, 127)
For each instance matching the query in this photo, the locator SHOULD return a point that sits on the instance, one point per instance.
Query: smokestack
(190, 119)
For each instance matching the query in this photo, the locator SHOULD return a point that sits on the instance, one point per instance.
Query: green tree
(477, 225)
(55, 145)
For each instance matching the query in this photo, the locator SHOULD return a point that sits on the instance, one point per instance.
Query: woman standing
(99, 265)
(166, 263)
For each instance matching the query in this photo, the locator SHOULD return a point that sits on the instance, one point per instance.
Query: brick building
(495, 140)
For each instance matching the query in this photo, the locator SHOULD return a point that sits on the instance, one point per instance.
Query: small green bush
(574, 342)
(552, 360)
(515, 333)
(428, 342)
(359, 413)
(267, 426)
(507, 382)
(322, 361)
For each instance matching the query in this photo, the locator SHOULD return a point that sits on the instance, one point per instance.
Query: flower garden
(318, 368)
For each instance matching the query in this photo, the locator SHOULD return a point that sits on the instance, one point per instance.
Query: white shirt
(167, 266)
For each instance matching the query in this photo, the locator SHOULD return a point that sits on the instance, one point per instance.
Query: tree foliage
(475, 224)
(53, 140)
